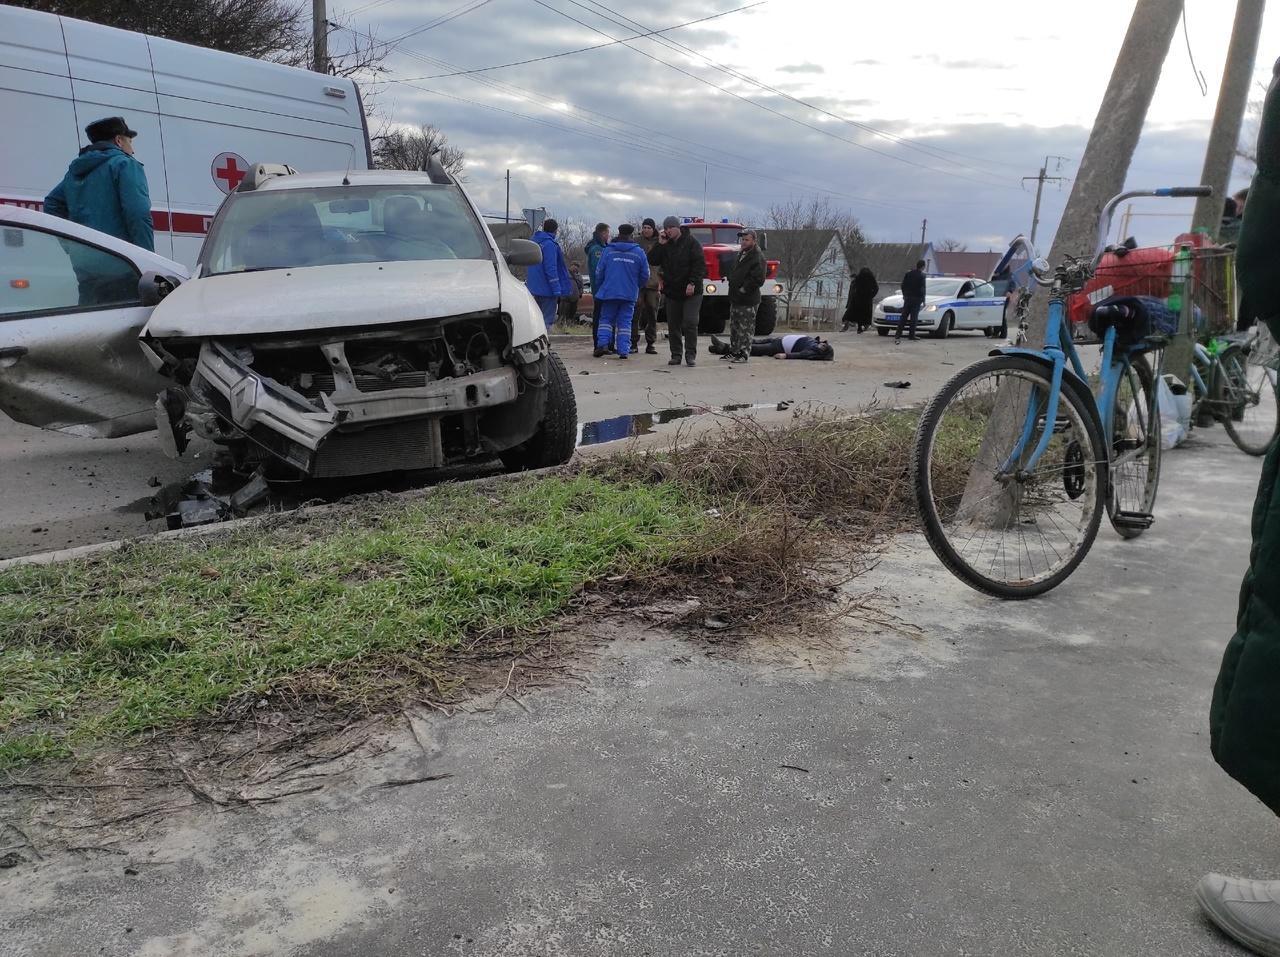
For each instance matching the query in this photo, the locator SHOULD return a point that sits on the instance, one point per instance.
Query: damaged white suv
(346, 324)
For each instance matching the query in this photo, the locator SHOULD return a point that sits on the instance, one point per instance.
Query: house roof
(799, 250)
(890, 261)
(966, 263)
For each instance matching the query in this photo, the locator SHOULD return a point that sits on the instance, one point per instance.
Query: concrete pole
(319, 37)
(1233, 98)
(1114, 137)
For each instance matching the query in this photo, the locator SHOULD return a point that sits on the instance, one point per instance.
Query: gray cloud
(802, 68)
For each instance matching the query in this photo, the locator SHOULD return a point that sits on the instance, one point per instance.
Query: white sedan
(951, 303)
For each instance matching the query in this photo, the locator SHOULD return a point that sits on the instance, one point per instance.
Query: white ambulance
(203, 117)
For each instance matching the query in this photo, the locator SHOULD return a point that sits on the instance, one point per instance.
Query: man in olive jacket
(679, 256)
(1244, 721)
(745, 279)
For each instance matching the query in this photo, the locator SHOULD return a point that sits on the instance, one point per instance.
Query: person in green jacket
(105, 188)
(1244, 720)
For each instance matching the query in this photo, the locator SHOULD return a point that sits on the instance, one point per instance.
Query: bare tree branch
(407, 147)
(806, 225)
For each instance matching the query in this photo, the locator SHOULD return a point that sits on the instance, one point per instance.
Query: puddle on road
(645, 423)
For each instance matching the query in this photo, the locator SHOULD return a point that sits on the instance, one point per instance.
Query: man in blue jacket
(550, 280)
(624, 270)
(105, 187)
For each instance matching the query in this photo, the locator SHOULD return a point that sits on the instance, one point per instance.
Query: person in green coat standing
(105, 187)
(1244, 721)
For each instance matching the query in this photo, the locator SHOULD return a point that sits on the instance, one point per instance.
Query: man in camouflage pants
(745, 280)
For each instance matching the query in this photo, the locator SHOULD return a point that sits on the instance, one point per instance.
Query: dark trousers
(595, 319)
(647, 316)
(682, 325)
(910, 313)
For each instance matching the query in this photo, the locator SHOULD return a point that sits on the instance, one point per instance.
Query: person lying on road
(781, 347)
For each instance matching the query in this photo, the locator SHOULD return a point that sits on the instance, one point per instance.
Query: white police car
(951, 303)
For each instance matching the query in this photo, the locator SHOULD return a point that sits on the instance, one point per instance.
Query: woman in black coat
(862, 294)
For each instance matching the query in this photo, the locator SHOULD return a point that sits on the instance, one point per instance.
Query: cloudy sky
(898, 112)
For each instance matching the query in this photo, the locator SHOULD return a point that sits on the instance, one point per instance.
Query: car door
(965, 307)
(988, 306)
(70, 314)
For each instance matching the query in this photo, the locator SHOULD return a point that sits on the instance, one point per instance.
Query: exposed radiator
(399, 446)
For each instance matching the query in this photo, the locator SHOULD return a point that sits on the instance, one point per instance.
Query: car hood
(325, 297)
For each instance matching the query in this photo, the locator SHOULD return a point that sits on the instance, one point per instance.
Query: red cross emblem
(228, 170)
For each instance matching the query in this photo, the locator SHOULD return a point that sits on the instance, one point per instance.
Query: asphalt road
(61, 491)
(1013, 778)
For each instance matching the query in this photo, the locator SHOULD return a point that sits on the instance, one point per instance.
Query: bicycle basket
(1135, 318)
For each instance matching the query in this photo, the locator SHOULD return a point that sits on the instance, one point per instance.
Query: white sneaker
(1246, 911)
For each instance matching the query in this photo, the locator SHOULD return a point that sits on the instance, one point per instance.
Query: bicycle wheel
(1002, 529)
(1249, 392)
(1135, 448)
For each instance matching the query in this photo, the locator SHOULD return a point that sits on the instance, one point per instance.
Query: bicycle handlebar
(1108, 211)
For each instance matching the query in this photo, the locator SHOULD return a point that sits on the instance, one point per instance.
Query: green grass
(339, 608)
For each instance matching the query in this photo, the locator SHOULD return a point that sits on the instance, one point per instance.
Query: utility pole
(319, 37)
(924, 223)
(508, 213)
(1041, 178)
(1114, 137)
(706, 170)
(1233, 97)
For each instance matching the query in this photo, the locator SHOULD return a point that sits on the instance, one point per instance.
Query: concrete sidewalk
(1029, 778)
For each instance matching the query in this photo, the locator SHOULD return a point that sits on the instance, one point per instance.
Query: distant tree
(1247, 147)
(276, 30)
(950, 246)
(809, 222)
(572, 236)
(408, 147)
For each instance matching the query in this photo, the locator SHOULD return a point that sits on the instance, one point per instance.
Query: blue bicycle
(1015, 459)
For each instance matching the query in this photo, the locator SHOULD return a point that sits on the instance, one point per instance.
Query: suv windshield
(287, 228)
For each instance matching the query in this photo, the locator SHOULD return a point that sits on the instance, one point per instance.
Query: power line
(596, 46)
(627, 127)
(768, 109)
(931, 151)
(443, 19)
(364, 6)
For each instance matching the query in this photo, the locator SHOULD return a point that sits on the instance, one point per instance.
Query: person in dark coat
(1244, 718)
(594, 249)
(745, 279)
(679, 256)
(862, 296)
(105, 187)
(647, 306)
(781, 347)
(569, 303)
(913, 293)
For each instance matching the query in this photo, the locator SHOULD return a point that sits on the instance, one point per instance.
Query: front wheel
(882, 330)
(999, 526)
(1250, 392)
(767, 316)
(557, 434)
(945, 324)
(1135, 449)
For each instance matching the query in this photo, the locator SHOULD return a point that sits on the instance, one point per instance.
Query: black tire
(767, 316)
(882, 330)
(1251, 421)
(1070, 478)
(557, 434)
(1135, 459)
(944, 326)
(714, 316)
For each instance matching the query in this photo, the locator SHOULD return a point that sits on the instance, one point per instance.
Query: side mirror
(153, 287)
(762, 240)
(968, 294)
(522, 252)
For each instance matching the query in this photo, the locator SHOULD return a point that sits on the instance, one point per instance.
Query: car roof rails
(259, 173)
(435, 169)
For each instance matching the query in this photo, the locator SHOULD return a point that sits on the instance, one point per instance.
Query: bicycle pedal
(1133, 519)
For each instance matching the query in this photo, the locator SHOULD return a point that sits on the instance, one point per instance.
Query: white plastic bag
(1175, 412)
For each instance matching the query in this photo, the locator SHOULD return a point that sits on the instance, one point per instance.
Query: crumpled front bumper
(292, 428)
